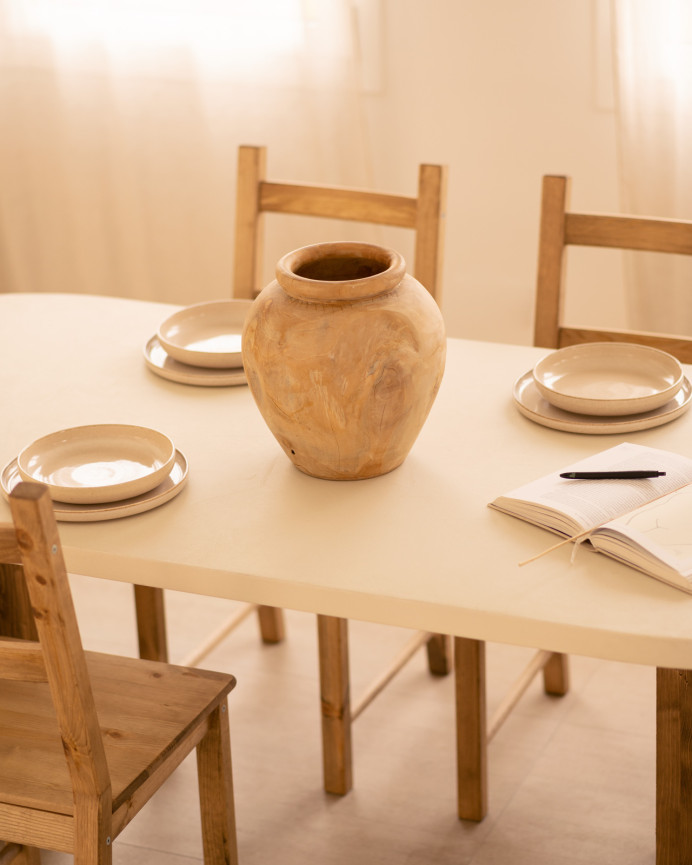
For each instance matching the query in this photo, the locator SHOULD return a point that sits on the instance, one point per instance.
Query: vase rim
(391, 263)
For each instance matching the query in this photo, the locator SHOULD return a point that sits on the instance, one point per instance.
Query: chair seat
(35, 774)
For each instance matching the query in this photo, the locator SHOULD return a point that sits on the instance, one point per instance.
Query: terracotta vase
(344, 354)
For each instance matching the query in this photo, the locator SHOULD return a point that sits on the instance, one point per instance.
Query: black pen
(598, 476)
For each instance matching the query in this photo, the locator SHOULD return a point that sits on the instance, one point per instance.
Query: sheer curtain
(120, 126)
(653, 50)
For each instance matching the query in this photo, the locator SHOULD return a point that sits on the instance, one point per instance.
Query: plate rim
(196, 358)
(623, 405)
(181, 373)
(600, 424)
(84, 494)
(98, 512)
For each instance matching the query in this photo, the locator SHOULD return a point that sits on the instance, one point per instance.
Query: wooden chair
(561, 228)
(88, 738)
(424, 214)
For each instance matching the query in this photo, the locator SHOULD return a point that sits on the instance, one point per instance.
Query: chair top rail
(629, 232)
(339, 203)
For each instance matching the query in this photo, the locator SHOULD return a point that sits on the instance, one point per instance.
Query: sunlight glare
(218, 32)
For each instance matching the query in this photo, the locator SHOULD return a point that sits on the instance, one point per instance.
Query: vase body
(344, 354)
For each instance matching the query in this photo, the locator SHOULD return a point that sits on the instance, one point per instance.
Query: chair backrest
(58, 656)
(256, 195)
(561, 228)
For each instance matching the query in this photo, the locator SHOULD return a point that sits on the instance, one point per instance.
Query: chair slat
(338, 203)
(629, 232)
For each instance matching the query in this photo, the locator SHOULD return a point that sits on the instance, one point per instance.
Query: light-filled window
(219, 36)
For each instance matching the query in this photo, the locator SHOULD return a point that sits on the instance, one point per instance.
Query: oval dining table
(417, 548)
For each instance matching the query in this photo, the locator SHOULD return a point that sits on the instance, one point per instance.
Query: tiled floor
(571, 779)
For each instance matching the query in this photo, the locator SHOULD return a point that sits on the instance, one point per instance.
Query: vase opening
(327, 272)
(341, 268)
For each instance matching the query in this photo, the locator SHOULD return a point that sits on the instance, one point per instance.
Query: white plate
(98, 463)
(608, 378)
(206, 334)
(91, 513)
(531, 404)
(159, 362)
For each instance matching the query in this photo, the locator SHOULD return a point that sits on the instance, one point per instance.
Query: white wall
(502, 91)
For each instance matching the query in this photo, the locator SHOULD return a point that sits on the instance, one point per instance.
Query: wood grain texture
(673, 767)
(344, 382)
(472, 739)
(332, 635)
(88, 738)
(151, 623)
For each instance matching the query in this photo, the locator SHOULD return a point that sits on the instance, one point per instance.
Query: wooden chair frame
(561, 228)
(79, 796)
(424, 214)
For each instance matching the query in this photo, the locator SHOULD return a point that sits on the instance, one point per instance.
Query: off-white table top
(417, 548)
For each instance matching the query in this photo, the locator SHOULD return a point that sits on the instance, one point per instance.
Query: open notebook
(645, 523)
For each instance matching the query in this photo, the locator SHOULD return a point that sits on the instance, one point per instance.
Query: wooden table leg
(556, 675)
(440, 654)
(151, 623)
(472, 739)
(16, 618)
(332, 634)
(271, 623)
(673, 767)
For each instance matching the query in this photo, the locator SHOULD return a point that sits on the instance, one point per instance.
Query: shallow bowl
(98, 463)
(608, 378)
(206, 334)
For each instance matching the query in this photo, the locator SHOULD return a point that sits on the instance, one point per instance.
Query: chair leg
(440, 660)
(215, 777)
(271, 622)
(93, 838)
(151, 623)
(472, 739)
(556, 675)
(332, 634)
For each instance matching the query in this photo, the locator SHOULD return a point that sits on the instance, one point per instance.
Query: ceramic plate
(531, 404)
(608, 378)
(91, 513)
(98, 463)
(206, 334)
(159, 361)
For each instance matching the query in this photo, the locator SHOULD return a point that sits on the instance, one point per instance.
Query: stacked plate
(200, 345)
(102, 471)
(604, 387)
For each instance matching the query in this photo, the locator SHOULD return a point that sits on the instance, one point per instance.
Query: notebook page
(591, 503)
(662, 528)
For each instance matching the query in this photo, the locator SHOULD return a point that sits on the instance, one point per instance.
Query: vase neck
(328, 272)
